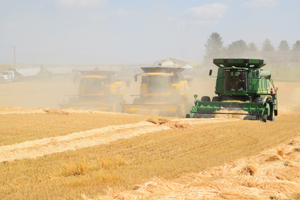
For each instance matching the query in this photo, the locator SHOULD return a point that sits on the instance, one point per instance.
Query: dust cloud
(37, 93)
(50, 93)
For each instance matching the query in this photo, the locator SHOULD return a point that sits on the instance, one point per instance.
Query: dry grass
(296, 196)
(296, 149)
(56, 111)
(158, 121)
(94, 137)
(75, 169)
(165, 154)
(82, 167)
(169, 123)
(75, 141)
(111, 163)
(250, 169)
(235, 114)
(274, 158)
(234, 180)
(280, 151)
(16, 128)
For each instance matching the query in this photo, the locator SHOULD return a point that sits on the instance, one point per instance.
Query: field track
(74, 141)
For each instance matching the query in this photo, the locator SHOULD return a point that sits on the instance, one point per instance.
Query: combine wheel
(205, 98)
(188, 116)
(271, 117)
(265, 118)
(216, 99)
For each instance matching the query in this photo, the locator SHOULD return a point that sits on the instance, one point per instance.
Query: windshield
(158, 84)
(92, 85)
(236, 80)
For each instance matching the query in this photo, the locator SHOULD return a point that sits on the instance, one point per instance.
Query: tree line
(238, 49)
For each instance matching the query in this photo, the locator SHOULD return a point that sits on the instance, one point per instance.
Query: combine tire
(205, 98)
(271, 117)
(265, 118)
(216, 99)
(188, 116)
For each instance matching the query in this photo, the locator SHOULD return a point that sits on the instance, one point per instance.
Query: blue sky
(136, 31)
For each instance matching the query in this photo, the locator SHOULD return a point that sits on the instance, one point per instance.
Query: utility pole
(14, 57)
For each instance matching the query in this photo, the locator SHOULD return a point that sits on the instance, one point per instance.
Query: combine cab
(98, 90)
(243, 88)
(163, 92)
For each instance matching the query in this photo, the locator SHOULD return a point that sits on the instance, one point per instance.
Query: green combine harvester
(243, 88)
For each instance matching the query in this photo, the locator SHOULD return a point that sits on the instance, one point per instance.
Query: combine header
(163, 92)
(243, 88)
(98, 90)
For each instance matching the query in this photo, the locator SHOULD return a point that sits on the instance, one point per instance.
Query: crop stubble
(166, 155)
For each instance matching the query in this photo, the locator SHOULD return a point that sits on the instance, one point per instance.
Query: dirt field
(55, 154)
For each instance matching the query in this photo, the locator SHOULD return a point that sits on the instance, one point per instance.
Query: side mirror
(210, 72)
(135, 78)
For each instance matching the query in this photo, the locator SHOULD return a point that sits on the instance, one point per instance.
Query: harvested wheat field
(79, 154)
(272, 174)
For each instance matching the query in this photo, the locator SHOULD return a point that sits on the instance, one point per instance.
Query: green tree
(283, 46)
(267, 46)
(252, 47)
(296, 46)
(214, 47)
(237, 48)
